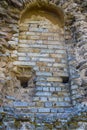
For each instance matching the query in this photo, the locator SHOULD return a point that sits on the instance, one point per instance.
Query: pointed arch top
(43, 7)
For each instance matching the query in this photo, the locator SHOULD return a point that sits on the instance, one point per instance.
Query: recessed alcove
(25, 74)
(50, 11)
(42, 47)
(40, 88)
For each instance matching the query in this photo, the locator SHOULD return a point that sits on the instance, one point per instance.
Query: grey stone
(39, 88)
(74, 91)
(52, 89)
(54, 110)
(44, 110)
(58, 89)
(43, 99)
(24, 63)
(55, 47)
(1, 109)
(44, 73)
(67, 99)
(60, 99)
(62, 104)
(37, 46)
(52, 98)
(34, 110)
(74, 86)
(38, 55)
(35, 99)
(47, 51)
(43, 94)
(47, 59)
(10, 98)
(20, 104)
(60, 51)
(45, 88)
(31, 104)
(23, 58)
(48, 104)
(8, 109)
(43, 84)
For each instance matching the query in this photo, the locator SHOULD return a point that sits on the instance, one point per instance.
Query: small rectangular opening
(65, 79)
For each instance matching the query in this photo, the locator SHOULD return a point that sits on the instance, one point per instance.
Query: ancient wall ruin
(43, 80)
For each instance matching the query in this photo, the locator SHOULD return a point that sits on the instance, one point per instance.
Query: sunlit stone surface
(43, 66)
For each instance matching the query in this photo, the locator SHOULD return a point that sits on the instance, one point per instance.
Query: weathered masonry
(41, 46)
(41, 86)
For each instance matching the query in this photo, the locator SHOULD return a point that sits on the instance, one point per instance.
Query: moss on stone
(17, 124)
(73, 124)
(1, 123)
(49, 126)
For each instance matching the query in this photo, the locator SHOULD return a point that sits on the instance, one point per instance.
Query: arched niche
(49, 10)
(42, 47)
(41, 40)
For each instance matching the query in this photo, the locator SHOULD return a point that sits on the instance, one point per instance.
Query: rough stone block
(52, 89)
(48, 104)
(36, 68)
(34, 37)
(10, 98)
(50, 64)
(35, 99)
(43, 99)
(74, 86)
(45, 88)
(60, 74)
(40, 64)
(43, 84)
(56, 56)
(31, 104)
(20, 104)
(39, 88)
(44, 110)
(58, 89)
(67, 99)
(40, 104)
(48, 51)
(54, 42)
(47, 59)
(23, 41)
(30, 33)
(63, 51)
(55, 47)
(52, 99)
(60, 99)
(54, 79)
(24, 63)
(43, 94)
(43, 74)
(54, 110)
(60, 65)
(61, 104)
(41, 79)
(23, 58)
(21, 54)
(38, 46)
(24, 28)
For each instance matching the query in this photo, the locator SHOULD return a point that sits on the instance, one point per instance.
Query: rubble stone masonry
(43, 65)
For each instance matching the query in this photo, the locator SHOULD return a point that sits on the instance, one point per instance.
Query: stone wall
(48, 95)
